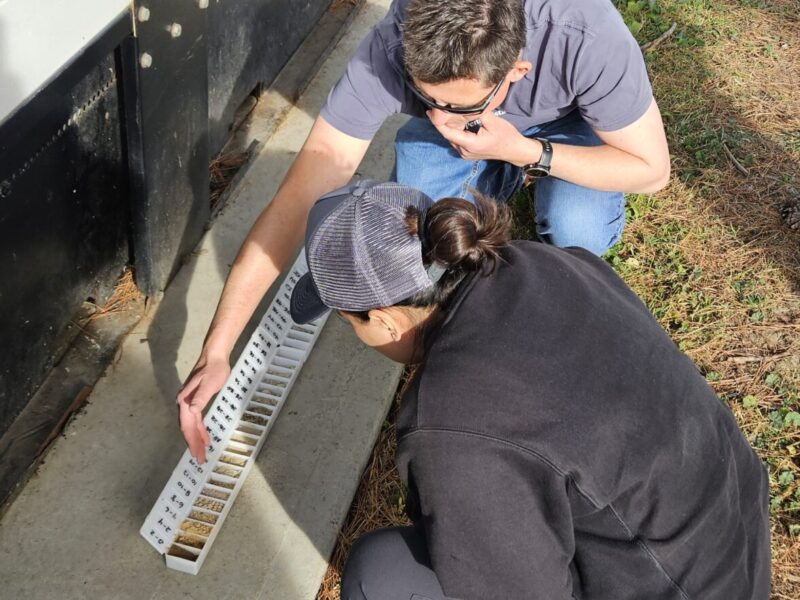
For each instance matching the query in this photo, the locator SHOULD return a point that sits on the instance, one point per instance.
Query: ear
(387, 320)
(519, 70)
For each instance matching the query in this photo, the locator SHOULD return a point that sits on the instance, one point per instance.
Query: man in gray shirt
(524, 79)
(553, 88)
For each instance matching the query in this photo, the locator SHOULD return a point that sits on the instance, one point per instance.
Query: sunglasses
(456, 110)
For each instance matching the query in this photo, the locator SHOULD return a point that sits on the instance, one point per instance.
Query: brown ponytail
(467, 236)
(460, 236)
(463, 238)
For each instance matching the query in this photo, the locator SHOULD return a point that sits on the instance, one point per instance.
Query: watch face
(534, 171)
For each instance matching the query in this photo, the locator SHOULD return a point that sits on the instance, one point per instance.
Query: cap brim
(306, 304)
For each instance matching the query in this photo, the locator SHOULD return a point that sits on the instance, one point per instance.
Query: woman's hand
(206, 379)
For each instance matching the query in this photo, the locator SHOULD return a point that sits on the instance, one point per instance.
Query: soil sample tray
(193, 505)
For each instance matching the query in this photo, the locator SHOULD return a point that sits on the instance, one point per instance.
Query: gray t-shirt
(582, 53)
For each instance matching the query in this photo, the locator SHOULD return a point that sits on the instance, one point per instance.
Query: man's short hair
(445, 40)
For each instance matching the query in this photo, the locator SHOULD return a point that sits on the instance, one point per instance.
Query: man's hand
(206, 379)
(497, 139)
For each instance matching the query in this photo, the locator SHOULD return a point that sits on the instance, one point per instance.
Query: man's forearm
(600, 167)
(634, 158)
(261, 258)
(324, 163)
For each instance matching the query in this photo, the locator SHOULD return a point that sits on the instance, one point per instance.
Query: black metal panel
(23, 133)
(63, 215)
(109, 163)
(248, 43)
(166, 129)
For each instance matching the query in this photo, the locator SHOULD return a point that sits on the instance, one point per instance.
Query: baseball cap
(360, 253)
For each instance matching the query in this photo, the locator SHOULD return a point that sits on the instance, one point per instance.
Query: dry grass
(124, 296)
(221, 172)
(711, 255)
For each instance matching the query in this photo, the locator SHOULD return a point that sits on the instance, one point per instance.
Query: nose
(438, 117)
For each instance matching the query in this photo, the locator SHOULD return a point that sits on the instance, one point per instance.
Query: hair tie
(435, 272)
(422, 232)
(436, 269)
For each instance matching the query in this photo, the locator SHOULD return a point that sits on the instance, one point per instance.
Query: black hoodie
(556, 444)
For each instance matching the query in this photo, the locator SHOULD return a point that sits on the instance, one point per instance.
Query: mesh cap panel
(362, 255)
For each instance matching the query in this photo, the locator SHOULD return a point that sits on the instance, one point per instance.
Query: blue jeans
(566, 214)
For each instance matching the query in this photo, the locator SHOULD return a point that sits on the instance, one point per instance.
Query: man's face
(460, 93)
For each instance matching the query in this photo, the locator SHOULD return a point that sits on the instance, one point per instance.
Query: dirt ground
(715, 255)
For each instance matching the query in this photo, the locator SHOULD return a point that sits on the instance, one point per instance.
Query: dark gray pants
(390, 564)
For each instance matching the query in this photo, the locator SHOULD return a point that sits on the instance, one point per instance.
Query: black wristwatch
(541, 168)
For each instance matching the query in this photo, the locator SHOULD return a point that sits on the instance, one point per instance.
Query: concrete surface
(88, 350)
(73, 531)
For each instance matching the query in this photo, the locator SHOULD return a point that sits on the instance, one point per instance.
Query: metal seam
(5, 185)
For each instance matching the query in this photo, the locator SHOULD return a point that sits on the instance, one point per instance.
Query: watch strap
(542, 167)
(547, 154)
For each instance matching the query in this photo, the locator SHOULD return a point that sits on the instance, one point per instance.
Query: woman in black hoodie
(554, 441)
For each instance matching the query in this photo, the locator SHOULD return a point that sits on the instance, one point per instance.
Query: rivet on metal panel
(145, 60)
(143, 14)
(175, 30)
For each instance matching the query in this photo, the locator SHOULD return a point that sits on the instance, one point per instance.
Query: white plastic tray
(189, 513)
